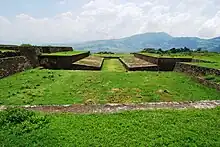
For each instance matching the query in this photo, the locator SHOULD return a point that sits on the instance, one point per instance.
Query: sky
(70, 21)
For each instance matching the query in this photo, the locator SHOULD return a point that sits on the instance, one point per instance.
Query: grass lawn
(69, 53)
(113, 55)
(137, 128)
(113, 65)
(70, 87)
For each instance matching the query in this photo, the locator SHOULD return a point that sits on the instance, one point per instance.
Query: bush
(19, 121)
(25, 45)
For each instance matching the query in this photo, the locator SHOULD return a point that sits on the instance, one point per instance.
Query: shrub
(19, 121)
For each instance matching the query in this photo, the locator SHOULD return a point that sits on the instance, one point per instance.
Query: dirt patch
(112, 108)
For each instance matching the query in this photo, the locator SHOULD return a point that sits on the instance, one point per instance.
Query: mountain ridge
(156, 40)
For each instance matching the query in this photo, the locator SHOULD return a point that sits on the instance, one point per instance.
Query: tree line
(172, 50)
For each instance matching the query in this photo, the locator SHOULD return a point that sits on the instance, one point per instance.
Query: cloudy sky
(65, 21)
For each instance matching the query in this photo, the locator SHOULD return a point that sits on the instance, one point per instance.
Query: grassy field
(137, 128)
(112, 65)
(113, 55)
(69, 53)
(70, 87)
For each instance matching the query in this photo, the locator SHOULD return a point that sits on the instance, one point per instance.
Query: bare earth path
(112, 108)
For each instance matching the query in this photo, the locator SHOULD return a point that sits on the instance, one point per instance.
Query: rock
(160, 91)
(90, 102)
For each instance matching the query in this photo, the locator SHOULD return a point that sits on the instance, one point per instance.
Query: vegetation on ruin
(6, 50)
(68, 53)
(212, 57)
(208, 65)
(112, 65)
(68, 87)
(137, 128)
(213, 78)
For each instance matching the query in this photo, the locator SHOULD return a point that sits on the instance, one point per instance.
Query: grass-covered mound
(137, 128)
(68, 53)
(69, 87)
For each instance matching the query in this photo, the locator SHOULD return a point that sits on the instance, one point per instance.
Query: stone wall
(208, 83)
(8, 54)
(168, 64)
(164, 64)
(85, 67)
(150, 59)
(12, 65)
(195, 70)
(60, 62)
(31, 53)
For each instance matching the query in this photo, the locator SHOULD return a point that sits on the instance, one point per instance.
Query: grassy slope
(137, 128)
(112, 55)
(67, 87)
(209, 65)
(112, 65)
(69, 53)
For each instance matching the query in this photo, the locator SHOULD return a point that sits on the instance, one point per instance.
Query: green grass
(69, 87)
(4, 50)
(213, 78)
(137, 128)
(112, 65)
(113, 55)
(208, 65)
(69, 53)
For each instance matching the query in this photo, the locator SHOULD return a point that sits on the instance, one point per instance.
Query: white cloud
(105, 19)
(62, 2)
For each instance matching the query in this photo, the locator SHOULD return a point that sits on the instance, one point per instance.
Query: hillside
(152, 40)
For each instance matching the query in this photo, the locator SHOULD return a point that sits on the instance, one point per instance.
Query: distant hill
(149, 40)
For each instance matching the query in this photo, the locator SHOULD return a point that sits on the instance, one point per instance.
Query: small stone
(90, 102)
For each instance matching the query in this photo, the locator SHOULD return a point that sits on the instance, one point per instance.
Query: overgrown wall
(164, 64)
(12, 65)
(194, 69)
(45, 49)
(60, 62)
(208, 83)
